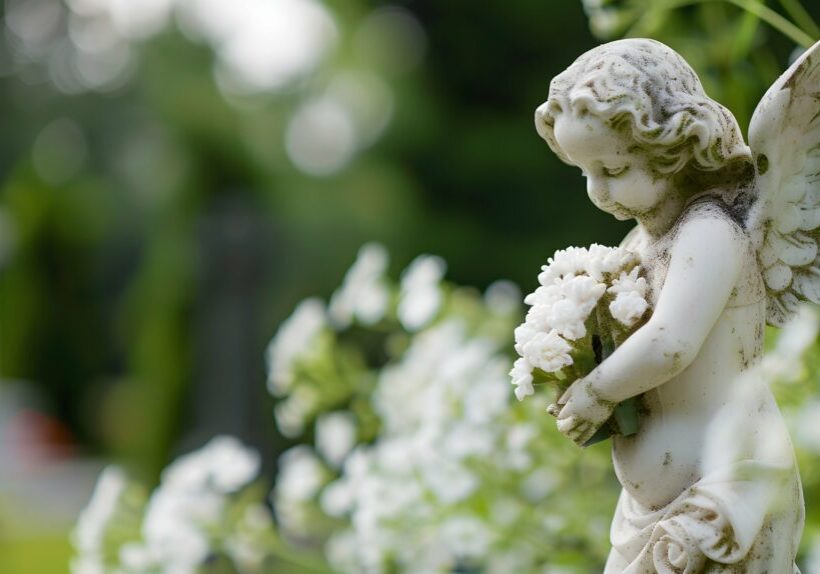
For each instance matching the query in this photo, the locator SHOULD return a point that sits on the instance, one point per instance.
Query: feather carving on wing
(785, 220)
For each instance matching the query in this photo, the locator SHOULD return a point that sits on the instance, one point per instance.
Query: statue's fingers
(575, 429)
(588, 432)
(564, 398)
(567, 425)
(578, 432)
(554, 410)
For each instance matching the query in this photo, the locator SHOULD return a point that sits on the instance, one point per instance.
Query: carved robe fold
(743, 519)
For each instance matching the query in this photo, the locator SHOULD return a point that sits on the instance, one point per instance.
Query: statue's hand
(581, 411)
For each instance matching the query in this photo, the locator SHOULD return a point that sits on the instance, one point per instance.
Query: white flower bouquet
(588, 302)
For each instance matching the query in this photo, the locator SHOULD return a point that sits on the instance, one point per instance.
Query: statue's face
(620, 180)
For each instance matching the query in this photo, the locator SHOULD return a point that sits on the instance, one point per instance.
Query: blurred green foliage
(108, 277)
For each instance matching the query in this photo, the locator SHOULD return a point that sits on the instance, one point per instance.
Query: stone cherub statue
(729, 237)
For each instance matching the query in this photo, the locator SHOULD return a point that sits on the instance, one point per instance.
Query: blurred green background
(176, 175)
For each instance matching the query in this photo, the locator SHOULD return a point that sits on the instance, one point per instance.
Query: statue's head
(646, 91)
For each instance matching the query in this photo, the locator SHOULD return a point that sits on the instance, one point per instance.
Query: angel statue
(728, 235)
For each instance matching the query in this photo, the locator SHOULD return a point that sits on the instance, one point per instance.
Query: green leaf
(626, 416)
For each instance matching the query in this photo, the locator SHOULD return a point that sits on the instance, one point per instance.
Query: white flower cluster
(114, 506)
(335, 436)
(364, 294)
(421, 297)
(294, 348)
(441, 409)
(294, 340)
(297, 355)
(185, 520)
(566, 305)
(630, 297)
(453, 480)
(301, 476)
(420, 459)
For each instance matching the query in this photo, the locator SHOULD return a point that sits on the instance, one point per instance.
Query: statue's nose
(540, 119)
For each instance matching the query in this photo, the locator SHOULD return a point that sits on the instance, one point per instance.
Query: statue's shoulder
(704, 220)
(711, 214)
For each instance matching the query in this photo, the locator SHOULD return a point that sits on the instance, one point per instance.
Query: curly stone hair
(646, 88)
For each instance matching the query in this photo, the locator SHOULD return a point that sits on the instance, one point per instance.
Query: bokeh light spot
(321, 137)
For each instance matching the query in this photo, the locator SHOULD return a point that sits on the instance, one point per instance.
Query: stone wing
(784, 135)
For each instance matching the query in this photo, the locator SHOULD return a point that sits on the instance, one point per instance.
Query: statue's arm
(703, 269)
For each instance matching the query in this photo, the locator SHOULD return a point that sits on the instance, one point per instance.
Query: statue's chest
(655, 258)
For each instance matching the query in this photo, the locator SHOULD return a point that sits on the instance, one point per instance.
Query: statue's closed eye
(614, 171)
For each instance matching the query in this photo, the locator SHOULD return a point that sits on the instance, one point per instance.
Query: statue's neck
(660, 220)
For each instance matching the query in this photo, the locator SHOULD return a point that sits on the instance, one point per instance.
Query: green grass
(35, 555)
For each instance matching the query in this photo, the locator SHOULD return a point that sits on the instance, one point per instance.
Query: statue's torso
(667, 454)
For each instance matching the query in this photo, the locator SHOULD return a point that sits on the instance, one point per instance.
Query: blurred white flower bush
(207, 514)
(420, 461)
(410, 453)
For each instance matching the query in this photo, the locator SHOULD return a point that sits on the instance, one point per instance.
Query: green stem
(775, 20)
(765, 13)
(801, 17)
